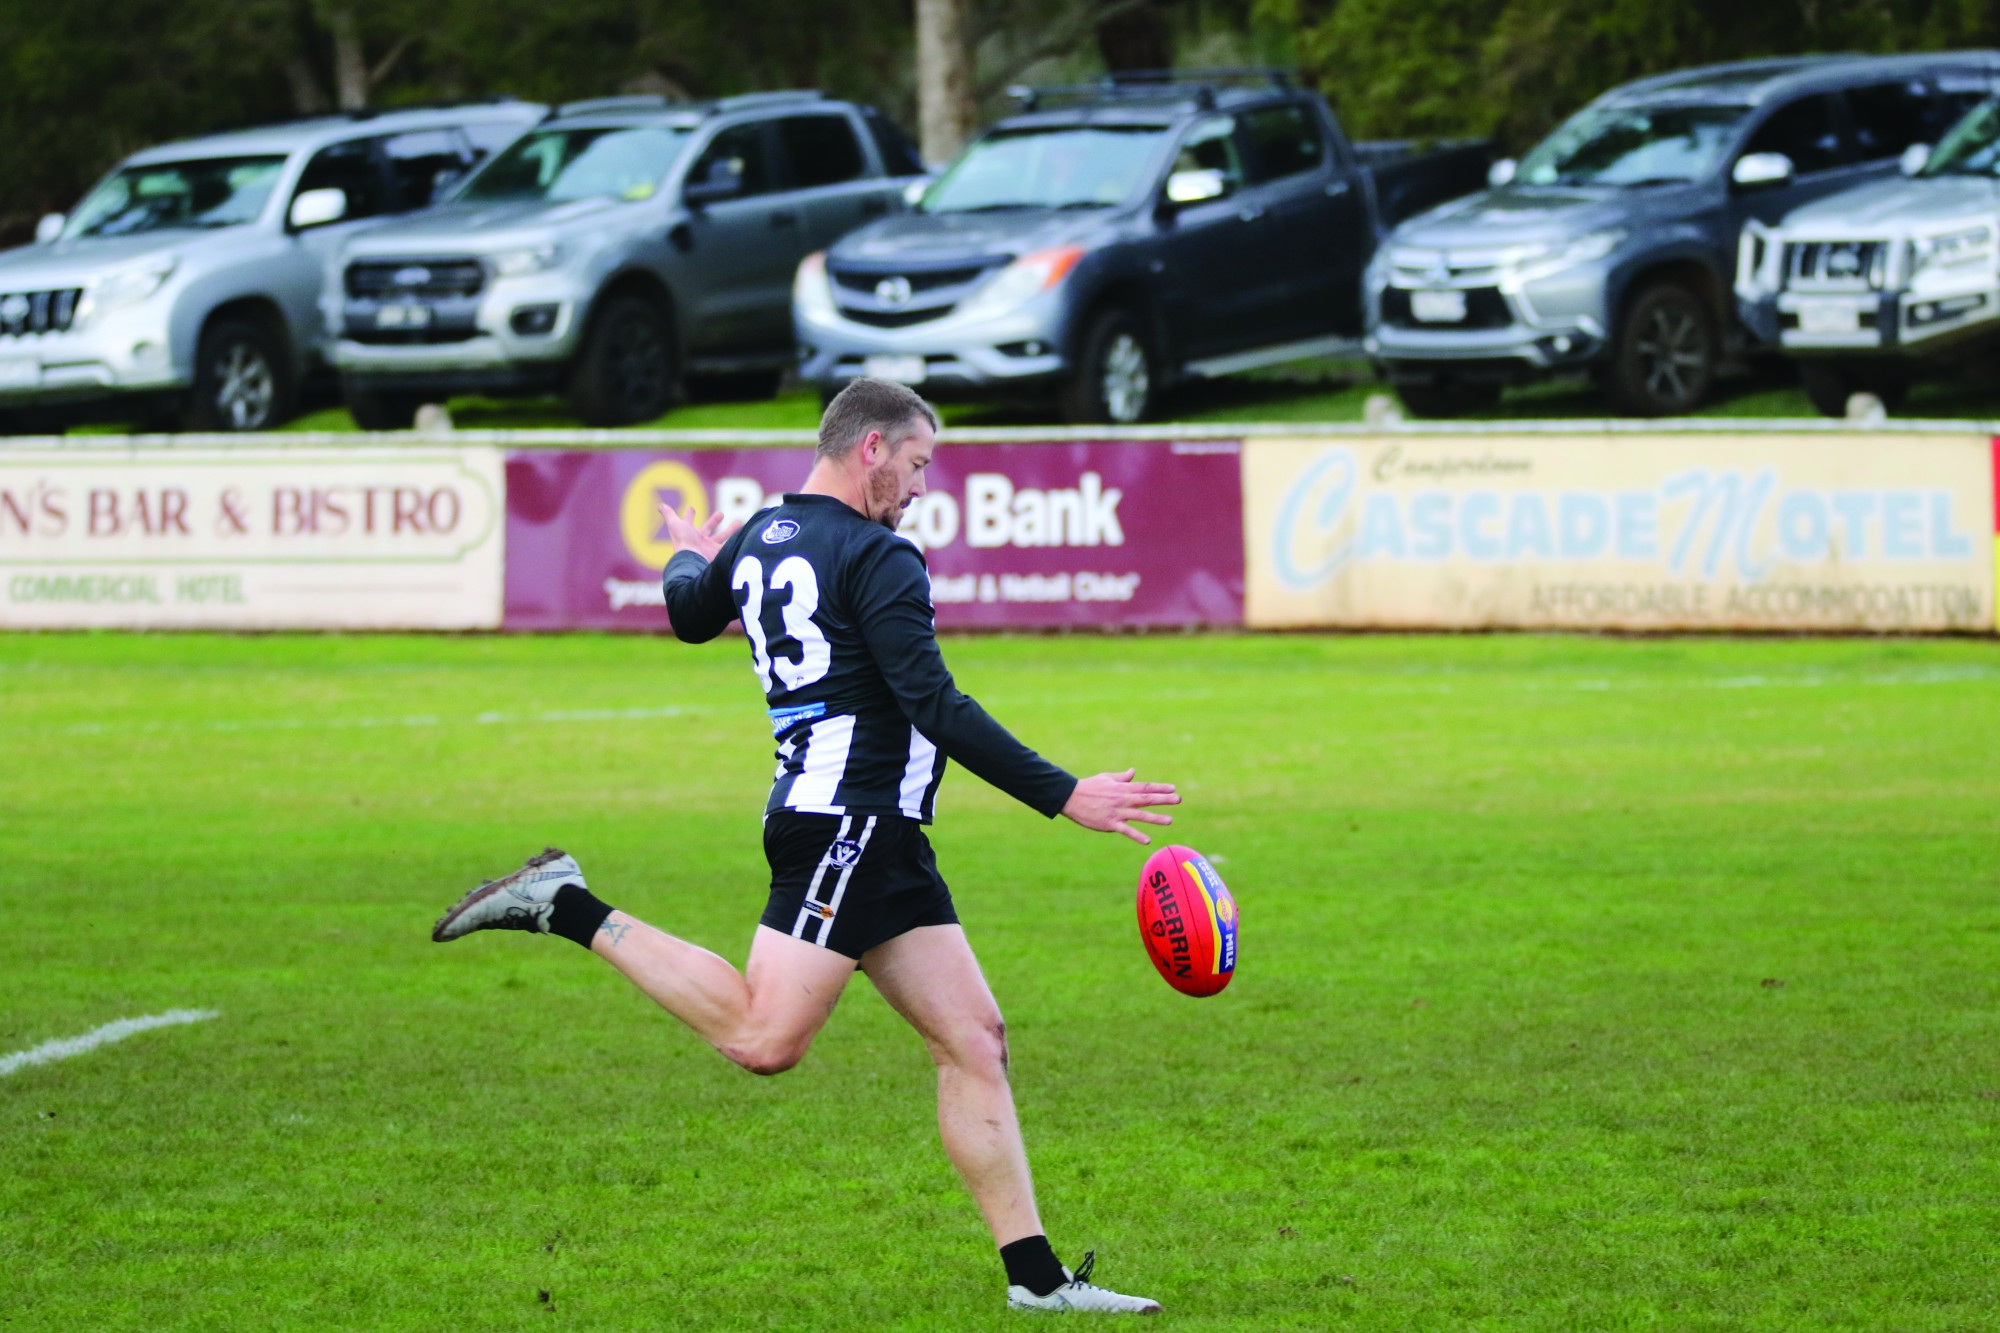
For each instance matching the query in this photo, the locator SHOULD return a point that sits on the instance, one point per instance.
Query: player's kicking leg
(931, 978)
(763, 1018)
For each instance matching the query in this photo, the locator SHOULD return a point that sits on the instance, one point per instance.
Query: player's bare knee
(766, 1057)
(979, 1048)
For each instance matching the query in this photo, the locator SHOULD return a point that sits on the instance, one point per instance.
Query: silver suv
(625, 245)
(184, 290)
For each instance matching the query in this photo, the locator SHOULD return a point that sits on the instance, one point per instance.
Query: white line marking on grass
(64, 1048)
(486, 719)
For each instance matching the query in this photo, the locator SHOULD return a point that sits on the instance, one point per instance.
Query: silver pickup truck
(1896, 281)
(184, 290)
(622, 247)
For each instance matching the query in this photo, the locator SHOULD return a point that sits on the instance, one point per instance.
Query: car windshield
(603, 162)
(1971, 147)
(1083, 166)
(209, 192)
(1625, 146)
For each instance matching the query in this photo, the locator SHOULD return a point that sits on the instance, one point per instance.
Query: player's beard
(885, 500)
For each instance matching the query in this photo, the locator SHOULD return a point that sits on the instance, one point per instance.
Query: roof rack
(1156, 85)
(748, 101)
(627, 102)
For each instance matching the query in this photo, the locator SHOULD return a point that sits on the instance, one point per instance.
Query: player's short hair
(866, 405)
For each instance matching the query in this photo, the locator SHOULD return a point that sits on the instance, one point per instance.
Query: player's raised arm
(699, 603)
(1113, 802)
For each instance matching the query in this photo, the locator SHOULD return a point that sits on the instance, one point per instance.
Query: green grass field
(1309, 392)
(1586, 984)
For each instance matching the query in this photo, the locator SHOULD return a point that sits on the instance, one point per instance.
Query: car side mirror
(1196, 186)
(316, 208)
(1915, 158)
(1756, 169)
(1501, 172)
(723, 181)
(49, 228)
(445, 180)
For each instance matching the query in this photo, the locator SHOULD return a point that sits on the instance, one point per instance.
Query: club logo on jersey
(844, 852)
(781, 530)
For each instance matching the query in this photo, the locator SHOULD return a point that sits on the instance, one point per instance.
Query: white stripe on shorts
(831, 906)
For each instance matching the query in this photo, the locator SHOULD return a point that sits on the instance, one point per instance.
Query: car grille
(429, 278)
(1485, 308)
(1836, 266)
(897, 298)
(23, 313)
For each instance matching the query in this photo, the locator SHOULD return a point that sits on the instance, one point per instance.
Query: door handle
(874, 206)
(1335, 189)
(1250, 213)
(784, 217)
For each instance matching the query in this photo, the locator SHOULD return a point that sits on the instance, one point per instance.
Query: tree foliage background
(84, 82)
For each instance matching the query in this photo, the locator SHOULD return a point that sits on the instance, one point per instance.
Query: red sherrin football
(1188, 921)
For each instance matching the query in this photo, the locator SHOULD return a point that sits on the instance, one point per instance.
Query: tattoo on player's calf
(615, 929)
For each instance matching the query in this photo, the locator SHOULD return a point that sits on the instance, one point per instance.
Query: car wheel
(242, 379)
(382, 409)
(1663, 358)
(1116, 380)
(625, 372)
(1445, 399)
(1829, 385)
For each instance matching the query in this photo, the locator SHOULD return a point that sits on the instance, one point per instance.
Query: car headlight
(812, 293)
(122, 287)
(1968, 245)
(520, 263)
(1023, 280)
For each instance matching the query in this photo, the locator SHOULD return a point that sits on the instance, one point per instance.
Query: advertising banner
(1881, 531)
(1095, 534)
(149, 537)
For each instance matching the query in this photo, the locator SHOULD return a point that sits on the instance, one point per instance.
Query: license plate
(403, 317)
(1438, 307)
(19, 371)
(901, 369)
(1830, 317)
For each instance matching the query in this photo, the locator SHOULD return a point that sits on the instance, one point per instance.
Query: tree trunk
(945, 114)
(350, 66)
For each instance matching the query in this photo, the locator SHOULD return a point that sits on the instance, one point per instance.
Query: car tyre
(1448, 399)
(626, 371)
(1117, 379)
(242, 378)
(1664, 356)
(383, 409)
(1829, 385)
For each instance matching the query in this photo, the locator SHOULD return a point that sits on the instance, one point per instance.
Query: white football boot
(1078, 1296)
(524, 900)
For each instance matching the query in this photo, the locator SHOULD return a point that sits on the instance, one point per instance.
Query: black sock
(577, 915)
(1032, 1264)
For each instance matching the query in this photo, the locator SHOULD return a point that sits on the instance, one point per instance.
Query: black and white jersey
(838, 613)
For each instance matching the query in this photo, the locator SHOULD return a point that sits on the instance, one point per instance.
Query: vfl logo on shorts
(781, 530)
(844, 852)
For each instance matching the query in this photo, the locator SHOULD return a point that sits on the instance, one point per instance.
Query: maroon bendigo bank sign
(1018, 536)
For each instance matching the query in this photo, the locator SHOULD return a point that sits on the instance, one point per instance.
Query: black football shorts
(851, 882)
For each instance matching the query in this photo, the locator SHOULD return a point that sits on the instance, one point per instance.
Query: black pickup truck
(1112, 239)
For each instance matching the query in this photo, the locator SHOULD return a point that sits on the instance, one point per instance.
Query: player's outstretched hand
(704, 540)
(1112, 803)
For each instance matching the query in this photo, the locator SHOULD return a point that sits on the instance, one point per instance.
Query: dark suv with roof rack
(620, 247)
(1114, 238)
(1611, 248)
